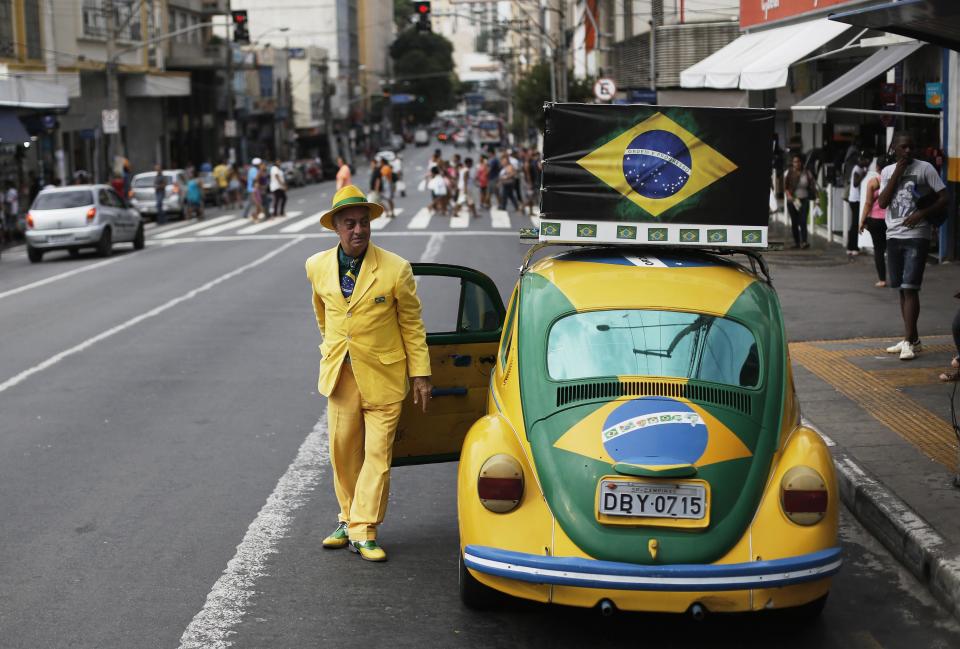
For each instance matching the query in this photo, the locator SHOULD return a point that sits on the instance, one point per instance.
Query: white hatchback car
(143, 194)
(81, 216)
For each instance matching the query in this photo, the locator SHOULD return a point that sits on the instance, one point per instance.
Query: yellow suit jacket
(380, 327)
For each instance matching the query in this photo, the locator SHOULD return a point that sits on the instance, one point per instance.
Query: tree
(533, 89)
(423, 66)
(402, 11)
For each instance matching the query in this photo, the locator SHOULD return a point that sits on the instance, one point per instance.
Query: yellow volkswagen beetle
(632, 441)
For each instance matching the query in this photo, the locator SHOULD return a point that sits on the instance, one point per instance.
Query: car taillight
(130, 194)
(91, 214)
(500, 483)
(803, 495)
(29, 221)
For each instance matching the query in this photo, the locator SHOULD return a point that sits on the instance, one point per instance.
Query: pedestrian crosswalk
(295, 222)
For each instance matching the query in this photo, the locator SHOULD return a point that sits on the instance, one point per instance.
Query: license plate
(652, 499)
(59, 238)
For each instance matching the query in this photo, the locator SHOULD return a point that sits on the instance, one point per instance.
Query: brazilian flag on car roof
(656, 163)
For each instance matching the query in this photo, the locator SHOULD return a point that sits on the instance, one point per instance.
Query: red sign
(758, 12)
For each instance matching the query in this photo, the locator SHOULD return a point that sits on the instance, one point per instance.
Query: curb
(917, 545)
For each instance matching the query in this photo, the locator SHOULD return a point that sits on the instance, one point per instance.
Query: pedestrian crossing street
(297, 222)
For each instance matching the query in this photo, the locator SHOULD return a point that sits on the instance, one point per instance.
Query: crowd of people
(509, 177)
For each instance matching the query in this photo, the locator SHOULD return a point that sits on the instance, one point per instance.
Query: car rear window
(635, 342)
(147, 181)
(62, 200)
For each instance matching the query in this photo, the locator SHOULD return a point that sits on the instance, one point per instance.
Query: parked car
(143, 197)
(386, 154)
(421, 137)
(81, 216)
(637, 449)
(211, 190)
(396, 142)
(293, 173)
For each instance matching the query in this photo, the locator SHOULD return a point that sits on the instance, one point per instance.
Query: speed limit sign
(604, 89)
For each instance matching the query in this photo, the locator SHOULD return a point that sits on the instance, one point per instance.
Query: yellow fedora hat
(349, 196)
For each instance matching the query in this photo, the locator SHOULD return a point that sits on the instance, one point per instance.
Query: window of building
(31, 14)
(7, 49)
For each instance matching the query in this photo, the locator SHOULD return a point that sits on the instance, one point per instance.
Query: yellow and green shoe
(338, 539)
(368, 550)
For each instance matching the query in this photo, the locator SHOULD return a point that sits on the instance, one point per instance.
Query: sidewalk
(888, 420)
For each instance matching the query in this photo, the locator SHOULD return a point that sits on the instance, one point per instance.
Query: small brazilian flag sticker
(550, 229)
(657, 234)
(627, 232)
(752, 236)
(689, 236)
(588, 230)
(717, 236)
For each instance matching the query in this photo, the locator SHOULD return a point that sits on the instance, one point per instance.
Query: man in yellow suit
(368, 312)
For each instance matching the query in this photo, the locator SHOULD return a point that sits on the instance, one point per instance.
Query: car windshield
(63, 200)
(147, 181)
(652, 343)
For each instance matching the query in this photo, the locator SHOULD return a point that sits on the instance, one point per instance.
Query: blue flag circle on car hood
(655, 431)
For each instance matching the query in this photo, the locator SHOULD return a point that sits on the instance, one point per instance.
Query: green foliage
(423, 66)
(402, 11)
(533, 89)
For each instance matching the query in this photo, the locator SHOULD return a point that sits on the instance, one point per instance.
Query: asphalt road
(163, 473)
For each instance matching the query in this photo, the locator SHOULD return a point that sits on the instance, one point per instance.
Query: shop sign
(111, 120)
(934, 95)
(230, 128)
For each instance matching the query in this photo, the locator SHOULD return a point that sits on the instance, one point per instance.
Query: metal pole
(113, 91)
(231, 140)
(653, 46)
(562, 81)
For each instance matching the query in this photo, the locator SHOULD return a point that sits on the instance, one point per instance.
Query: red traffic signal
(239, 17)
(422, 8)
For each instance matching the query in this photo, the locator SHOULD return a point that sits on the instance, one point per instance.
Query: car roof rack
(756, 265)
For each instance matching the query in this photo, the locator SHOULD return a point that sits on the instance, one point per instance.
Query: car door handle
(490, 360)
(461, 360)
(448, 392)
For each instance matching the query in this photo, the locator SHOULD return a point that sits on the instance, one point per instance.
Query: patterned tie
(349, 280)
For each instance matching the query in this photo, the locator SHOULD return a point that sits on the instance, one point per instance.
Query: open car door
(463, 315)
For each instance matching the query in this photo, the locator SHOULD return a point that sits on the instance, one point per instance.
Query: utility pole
(562, 81)
(654, 5)
(50, 58)
(113, 90)
(231, 139)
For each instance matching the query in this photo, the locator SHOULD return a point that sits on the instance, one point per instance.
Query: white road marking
(326, 234)
(269, 223)
(434, 246)
(421, 219)
(301, 201)
(226, 604)
(60, 276)
(193, 228)
(383, 221)
(461, 219)
(499, 218)
(303, 224)
(149, 225)
(103, 335)
(223, 227)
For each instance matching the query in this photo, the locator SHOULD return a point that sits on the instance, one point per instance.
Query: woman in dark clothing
(800, 186)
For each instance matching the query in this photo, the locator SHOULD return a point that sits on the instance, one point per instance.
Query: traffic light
(241, 30)
(422, 9)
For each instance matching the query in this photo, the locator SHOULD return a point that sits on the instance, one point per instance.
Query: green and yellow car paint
(557, 443)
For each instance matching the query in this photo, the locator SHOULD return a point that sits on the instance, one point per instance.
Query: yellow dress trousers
(361, 450)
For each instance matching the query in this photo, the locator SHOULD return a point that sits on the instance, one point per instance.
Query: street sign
(402, 99)
(604, 89)
(934, 95)
(230, 128)
(642, 96)
(111, 120)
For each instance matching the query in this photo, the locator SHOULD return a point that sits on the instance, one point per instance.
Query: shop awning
(813, 109)
(25, 92)
(11, 129)
(760, 60)
(933, 21)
